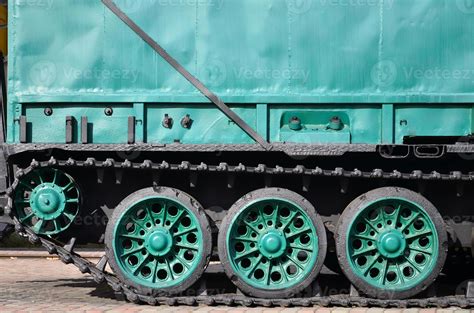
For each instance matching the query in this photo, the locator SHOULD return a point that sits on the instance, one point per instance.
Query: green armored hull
(381, 67)
(270, 137)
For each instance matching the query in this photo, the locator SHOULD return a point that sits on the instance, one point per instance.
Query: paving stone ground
(47, 285)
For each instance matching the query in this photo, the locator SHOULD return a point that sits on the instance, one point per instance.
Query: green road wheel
(272, 243)
(47, 201)
(391, 243)
(159, 241)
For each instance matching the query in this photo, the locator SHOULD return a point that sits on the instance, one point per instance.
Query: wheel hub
(47, 201)
(391, 244)
(159, 242)
(272, 244)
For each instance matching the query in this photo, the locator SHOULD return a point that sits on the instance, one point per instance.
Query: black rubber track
(280, 193)
(5, 230)
(191, 204)
(361, 202)
(100, 275)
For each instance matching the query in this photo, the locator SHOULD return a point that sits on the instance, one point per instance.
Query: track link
(67, 255)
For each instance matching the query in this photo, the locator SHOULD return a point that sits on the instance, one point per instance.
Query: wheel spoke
(251, 227)
(139, 267)
(284, 274)
(184, 232)
(126, 254)
(250, 252)
(364, 237)
(56, 224)
(183, 262)
(420, 250)
(428, 232)
(68, 187)
(382, 216)
(131, 237)
(169, 268)
(412, 264)
(371, 226)
(275, 217)
(301, 248)
(187, 247)
(410, 221)
(154, 271)
(299, 233)
(38, 226)
(177, 219)
(397, 215)
(27, 217)
(72, 200)
(384, 273)
(27, 186)
(245, 239)
(138, 224)
(39, 177)
(400, 273)
(263, 218)
(295, 262)
(269, 272)
(371, 265)
(55, 177)
(22, 201)
(290, 220)
(254, 267)
(165, 212)
(69, 216)
(359, 253)
(151, 216)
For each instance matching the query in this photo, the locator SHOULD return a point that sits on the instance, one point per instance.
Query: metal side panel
(260, 51)
(247, 52)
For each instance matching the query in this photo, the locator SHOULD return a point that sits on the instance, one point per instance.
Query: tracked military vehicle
(267, 138)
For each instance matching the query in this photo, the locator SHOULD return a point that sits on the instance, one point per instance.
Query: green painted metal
(140, 134)
(272, 244)
(47, 200)
(292, 56)
(157, 242)
(392, 244)
(387, 123)
(365, 124)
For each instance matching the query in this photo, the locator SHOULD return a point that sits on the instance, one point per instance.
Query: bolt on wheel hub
(159, 242)
(47, 199)
(272, 244)
(391, 244)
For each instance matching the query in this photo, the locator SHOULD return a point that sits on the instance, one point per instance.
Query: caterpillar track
(100, 275)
